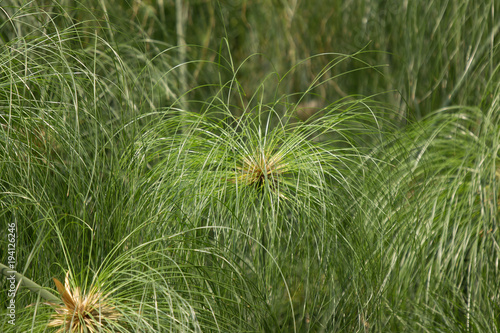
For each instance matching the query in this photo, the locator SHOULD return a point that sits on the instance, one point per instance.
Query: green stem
(181, 12)
(27, 283)
(469, 68)
(263, 240)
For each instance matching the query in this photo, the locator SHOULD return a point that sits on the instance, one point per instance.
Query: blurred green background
(429, 54)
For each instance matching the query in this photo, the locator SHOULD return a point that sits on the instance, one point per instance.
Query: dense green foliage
(251, 166)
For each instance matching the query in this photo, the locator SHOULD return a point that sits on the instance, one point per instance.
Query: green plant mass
(249, 166)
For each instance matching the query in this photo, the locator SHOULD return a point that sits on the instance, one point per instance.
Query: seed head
(90, 312)
(256, 168)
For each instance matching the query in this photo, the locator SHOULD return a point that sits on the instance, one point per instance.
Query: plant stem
(181, 17)
(32, 286)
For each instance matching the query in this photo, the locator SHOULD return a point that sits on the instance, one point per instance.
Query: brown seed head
(81, 312)
(255, 169)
